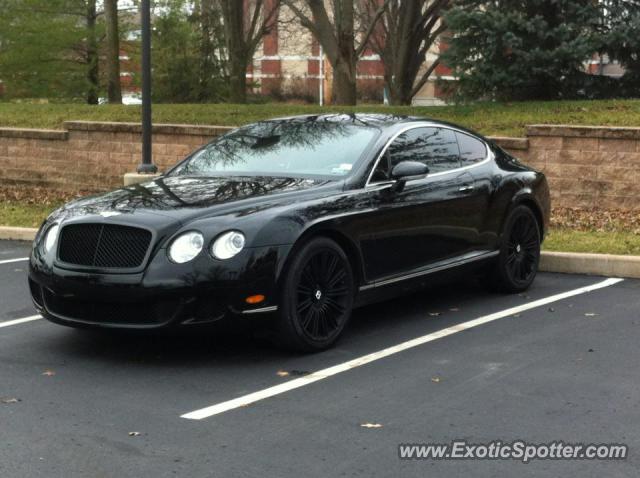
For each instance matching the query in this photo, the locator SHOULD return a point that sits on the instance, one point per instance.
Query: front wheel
(517, 264)
(316, 297)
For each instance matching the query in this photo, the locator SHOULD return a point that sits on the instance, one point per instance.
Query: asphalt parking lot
(537, 366)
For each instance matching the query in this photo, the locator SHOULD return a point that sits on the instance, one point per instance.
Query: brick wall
(585, 166)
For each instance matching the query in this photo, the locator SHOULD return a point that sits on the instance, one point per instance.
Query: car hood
(184, 198)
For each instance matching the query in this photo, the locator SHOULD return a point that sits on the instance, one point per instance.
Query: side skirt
(436, 267)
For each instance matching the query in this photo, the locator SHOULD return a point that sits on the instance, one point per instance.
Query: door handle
(466, 188)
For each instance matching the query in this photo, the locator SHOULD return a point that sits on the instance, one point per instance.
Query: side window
(409, 146)
(435, 147)
(442, 152)
(472, 150)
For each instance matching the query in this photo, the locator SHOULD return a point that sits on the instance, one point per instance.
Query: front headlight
(227, 245)
(186, 247)
(51, 237)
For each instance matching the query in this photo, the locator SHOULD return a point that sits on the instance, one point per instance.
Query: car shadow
(243, 342)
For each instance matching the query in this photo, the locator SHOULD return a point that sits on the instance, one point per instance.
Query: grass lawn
(559, 239)
(609, 242)
(504, 119)
(23, 215)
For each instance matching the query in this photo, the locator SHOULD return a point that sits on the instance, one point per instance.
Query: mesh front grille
(131, 313)
(103, 245)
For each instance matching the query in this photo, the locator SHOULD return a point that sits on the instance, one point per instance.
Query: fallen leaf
(371, 425)
(8, 400)
(282, 373)
(134, 434)
(435, 379)
(48, 373)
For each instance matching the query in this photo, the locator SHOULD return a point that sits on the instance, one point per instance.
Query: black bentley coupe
(298, 220)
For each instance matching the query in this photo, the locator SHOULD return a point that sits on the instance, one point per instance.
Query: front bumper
(163, 295)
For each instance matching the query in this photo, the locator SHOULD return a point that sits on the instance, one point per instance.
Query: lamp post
(321, 76)
(146, 166)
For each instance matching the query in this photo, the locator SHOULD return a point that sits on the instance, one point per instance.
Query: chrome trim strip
(271, 308)
(380, 185)
(478, 257)
(427, 125)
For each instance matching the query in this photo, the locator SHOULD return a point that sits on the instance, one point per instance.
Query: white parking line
(9, 261)
(9, 323)
(365, 359)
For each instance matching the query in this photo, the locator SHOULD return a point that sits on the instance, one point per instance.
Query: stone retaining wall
(91, 155)
(586, 166)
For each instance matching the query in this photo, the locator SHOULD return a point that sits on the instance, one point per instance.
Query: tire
(517, 264)
(316, 297)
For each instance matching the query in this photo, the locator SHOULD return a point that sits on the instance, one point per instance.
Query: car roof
(370, 119)
(379, 120)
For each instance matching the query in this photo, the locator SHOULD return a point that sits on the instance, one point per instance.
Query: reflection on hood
(185, 192)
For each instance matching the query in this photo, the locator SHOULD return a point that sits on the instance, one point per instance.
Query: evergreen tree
(622, 36)
(522, 49)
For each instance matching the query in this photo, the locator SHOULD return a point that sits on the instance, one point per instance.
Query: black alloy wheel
(317, 296)
(517, 264)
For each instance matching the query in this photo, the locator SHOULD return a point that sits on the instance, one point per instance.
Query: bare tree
(114, 91)
(337, 35)
(406, 33)
(245, 24)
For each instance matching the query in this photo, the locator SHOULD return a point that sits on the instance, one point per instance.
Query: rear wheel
(517, 264)
(317, 297)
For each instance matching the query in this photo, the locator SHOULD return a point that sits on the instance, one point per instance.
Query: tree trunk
(400, 100)
(344, 75)
(114, 91)
(395, 96)
(237, 80)
(344, 83)
(92, 54)
(400, 88)
(233, 12)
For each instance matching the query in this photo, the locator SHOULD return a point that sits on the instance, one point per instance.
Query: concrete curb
(565, 262)
(594, 264)
(17, 233)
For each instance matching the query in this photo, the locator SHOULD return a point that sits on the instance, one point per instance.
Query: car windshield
(304, 147)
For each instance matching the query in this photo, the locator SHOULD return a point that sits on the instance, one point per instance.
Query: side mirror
(408, 170)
